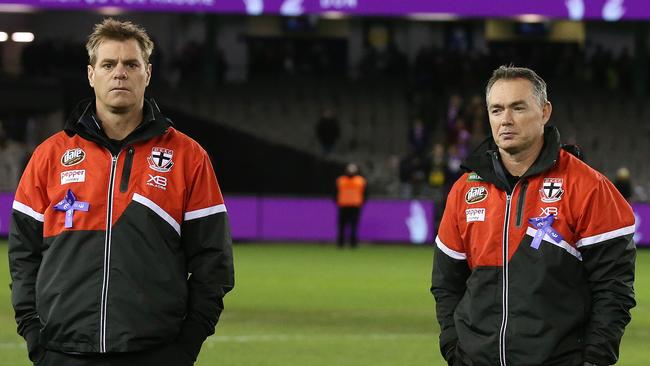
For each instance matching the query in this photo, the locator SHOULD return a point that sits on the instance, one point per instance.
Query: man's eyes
(131, 65)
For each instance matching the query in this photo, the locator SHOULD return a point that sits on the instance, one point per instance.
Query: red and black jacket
(147, 260)
(506, 298)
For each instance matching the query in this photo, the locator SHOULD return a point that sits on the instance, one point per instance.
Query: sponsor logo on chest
(546, 211)
(476, 194)
(475, 214)
(73, 157)
(73, 176)
(552, 190)
(160, 159)
(157, 181)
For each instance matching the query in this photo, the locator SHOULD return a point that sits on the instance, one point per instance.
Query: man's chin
(510, 149)
(119, 107)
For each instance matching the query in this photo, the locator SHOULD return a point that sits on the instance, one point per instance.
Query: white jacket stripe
(197, 214)
(21, 207)
(158, 210)
(590, 240)
(450, 252)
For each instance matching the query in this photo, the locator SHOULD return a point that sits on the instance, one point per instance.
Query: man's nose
(120, 71)
(506, 118)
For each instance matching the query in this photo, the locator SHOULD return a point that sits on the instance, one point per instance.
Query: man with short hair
(119, 249)
(534, 259)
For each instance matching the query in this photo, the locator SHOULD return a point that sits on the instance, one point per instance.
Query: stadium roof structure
(610, 10)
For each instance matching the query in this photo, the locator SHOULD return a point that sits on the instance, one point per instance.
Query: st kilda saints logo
(476, 194)
(73, 157)
(552, 190)
(160, 159)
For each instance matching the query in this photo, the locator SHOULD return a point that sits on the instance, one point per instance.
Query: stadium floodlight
(531, 18)
(333, 15)
(16, 8)
(22, 37)
(433, 17)
(4, 36)
(110, 11)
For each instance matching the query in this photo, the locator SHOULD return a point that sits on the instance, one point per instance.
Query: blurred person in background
(418, 137)
(13, 157)
(328, 130)
(623, 183)
(438, 173)
(119, 247)
(534, 258)
(351, 194)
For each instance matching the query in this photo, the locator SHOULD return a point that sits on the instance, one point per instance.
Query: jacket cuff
(32, 337)
(593, 356)
(191, 338)
(448, 341)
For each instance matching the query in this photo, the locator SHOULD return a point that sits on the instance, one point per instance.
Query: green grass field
(314, 305)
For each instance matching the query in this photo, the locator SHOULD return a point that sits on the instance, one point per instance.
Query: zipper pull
(126, 170)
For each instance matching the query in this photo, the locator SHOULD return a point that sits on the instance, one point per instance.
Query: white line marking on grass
(12, 345)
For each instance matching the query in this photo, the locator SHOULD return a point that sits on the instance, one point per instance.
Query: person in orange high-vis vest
(350, 197)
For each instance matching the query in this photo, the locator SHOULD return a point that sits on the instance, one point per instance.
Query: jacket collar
(486, 161)
(84, 122)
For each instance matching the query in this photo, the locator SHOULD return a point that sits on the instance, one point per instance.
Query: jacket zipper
(504, 294)
(520, 203)
(126, 170)
(107, 256)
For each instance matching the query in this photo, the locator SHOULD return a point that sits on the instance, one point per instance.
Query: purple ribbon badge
(543, 225)
(69, 205)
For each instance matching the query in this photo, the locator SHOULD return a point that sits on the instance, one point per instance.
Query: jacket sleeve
(605, 229)
(206, 241)
(450, 272)
(25, 248)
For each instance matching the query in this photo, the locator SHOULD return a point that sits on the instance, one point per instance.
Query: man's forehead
(113, 49)
(508, 91)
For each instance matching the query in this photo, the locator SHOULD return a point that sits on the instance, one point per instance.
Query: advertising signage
(610, 10)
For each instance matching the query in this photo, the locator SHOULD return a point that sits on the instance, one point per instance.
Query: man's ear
(546, 111)
(149, 68)
(91, 76)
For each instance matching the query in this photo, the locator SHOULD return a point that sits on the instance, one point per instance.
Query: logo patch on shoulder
(475, 214)
(473, 177)
(552, 190)
(160, 159)
(73, 157)
(476, 194)
(73, 176)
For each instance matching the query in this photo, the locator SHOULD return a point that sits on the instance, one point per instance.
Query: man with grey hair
(534, 259)
(119, 248)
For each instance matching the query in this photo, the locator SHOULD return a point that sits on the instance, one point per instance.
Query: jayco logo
(476, 194)
(73, 157)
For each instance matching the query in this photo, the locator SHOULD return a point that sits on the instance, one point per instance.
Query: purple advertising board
(642, 233)
(314, 219)
(611, 10)
(6, 201)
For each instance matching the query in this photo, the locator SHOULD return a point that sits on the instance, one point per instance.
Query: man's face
(119, 75)
(516, 117)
